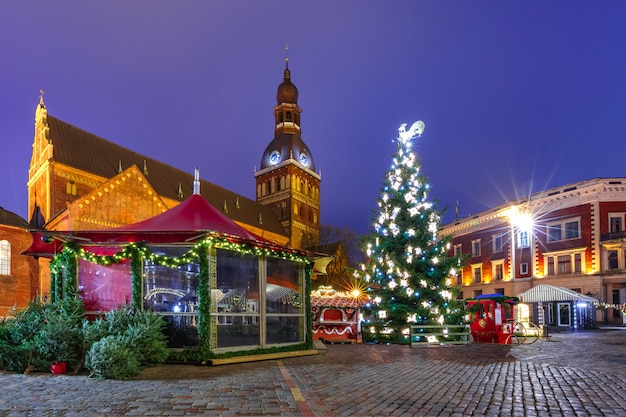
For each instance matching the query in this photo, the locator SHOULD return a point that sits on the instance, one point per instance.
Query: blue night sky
(517, 96)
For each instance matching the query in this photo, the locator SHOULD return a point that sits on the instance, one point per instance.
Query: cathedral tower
(287, 180)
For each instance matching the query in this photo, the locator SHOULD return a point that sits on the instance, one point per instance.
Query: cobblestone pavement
(567, 374)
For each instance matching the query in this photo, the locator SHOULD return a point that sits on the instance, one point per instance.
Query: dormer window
(70, 188)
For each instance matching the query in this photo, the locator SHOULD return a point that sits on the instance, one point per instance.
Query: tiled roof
(341, 302)
(11, 219)
(87, 152)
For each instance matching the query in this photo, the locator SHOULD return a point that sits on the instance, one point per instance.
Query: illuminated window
(477, 273)
(476, 247)
(70, 188)
(564, 263)
(5, 257)
(498, 270)
(522, 239)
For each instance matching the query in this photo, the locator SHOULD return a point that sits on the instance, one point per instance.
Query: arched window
(70, 188)
(295, 209)
(282, 182)
(5, 257)
(288, 116)
(273, 185)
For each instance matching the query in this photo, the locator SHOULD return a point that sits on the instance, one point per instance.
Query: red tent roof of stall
(190, 220)
(194, 214)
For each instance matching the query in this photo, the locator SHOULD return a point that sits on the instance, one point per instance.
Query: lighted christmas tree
(407, 268)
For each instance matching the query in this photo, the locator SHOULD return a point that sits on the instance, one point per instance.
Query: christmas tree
(407, 267)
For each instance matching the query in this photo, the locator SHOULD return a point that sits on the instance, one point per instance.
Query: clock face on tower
(304, 159)
(274, 157)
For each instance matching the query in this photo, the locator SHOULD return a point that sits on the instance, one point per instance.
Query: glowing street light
(521, 220)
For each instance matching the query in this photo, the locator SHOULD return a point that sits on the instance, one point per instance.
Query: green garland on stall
(308, 272)
(204, 300)
(55, 286)
(63, 274)
(136, 267)
(64, 263)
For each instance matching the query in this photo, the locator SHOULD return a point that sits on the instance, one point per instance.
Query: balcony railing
(613, 236)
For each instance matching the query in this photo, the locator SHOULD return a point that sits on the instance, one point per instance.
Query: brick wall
(21, 286)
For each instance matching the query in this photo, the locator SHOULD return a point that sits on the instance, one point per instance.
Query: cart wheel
(513, 339)
(532, 332)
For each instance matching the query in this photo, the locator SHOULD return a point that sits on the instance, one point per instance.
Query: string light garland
(63, 266)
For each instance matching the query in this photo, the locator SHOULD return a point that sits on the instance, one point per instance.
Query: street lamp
(520, 220)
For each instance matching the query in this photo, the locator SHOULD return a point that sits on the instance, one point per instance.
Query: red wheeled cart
(492, 318)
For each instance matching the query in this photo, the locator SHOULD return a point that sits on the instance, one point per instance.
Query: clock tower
(287, 179)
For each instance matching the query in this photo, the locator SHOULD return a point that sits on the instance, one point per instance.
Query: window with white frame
(616, 222)
(614, 257)
(476, 247)
(477, 273)
(523, 268)
(458, 250)
(523, 240)
(563, 230)
(497, 270)
(497, 243)
(562, 263)
(5, 257)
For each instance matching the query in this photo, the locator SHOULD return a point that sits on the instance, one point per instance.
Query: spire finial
(196, 182)
(41, 102)
(287, 56)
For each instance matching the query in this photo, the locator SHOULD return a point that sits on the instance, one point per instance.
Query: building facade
(572, 236)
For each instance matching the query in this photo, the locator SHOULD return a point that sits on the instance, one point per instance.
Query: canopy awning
(544, 293)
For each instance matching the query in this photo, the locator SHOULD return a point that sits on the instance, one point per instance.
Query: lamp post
(518, 219)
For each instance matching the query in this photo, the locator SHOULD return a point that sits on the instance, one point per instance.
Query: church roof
(9, 218)
(87, 152)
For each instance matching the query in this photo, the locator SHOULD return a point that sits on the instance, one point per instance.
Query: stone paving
(567, 374)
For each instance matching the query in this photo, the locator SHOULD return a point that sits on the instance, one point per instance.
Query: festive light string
(191, 256)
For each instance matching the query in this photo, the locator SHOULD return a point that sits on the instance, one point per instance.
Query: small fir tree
(407, 267)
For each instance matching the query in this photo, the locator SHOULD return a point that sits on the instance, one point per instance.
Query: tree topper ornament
(414, 131)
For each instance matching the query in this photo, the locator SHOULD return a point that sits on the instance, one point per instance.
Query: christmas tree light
(406, 268)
